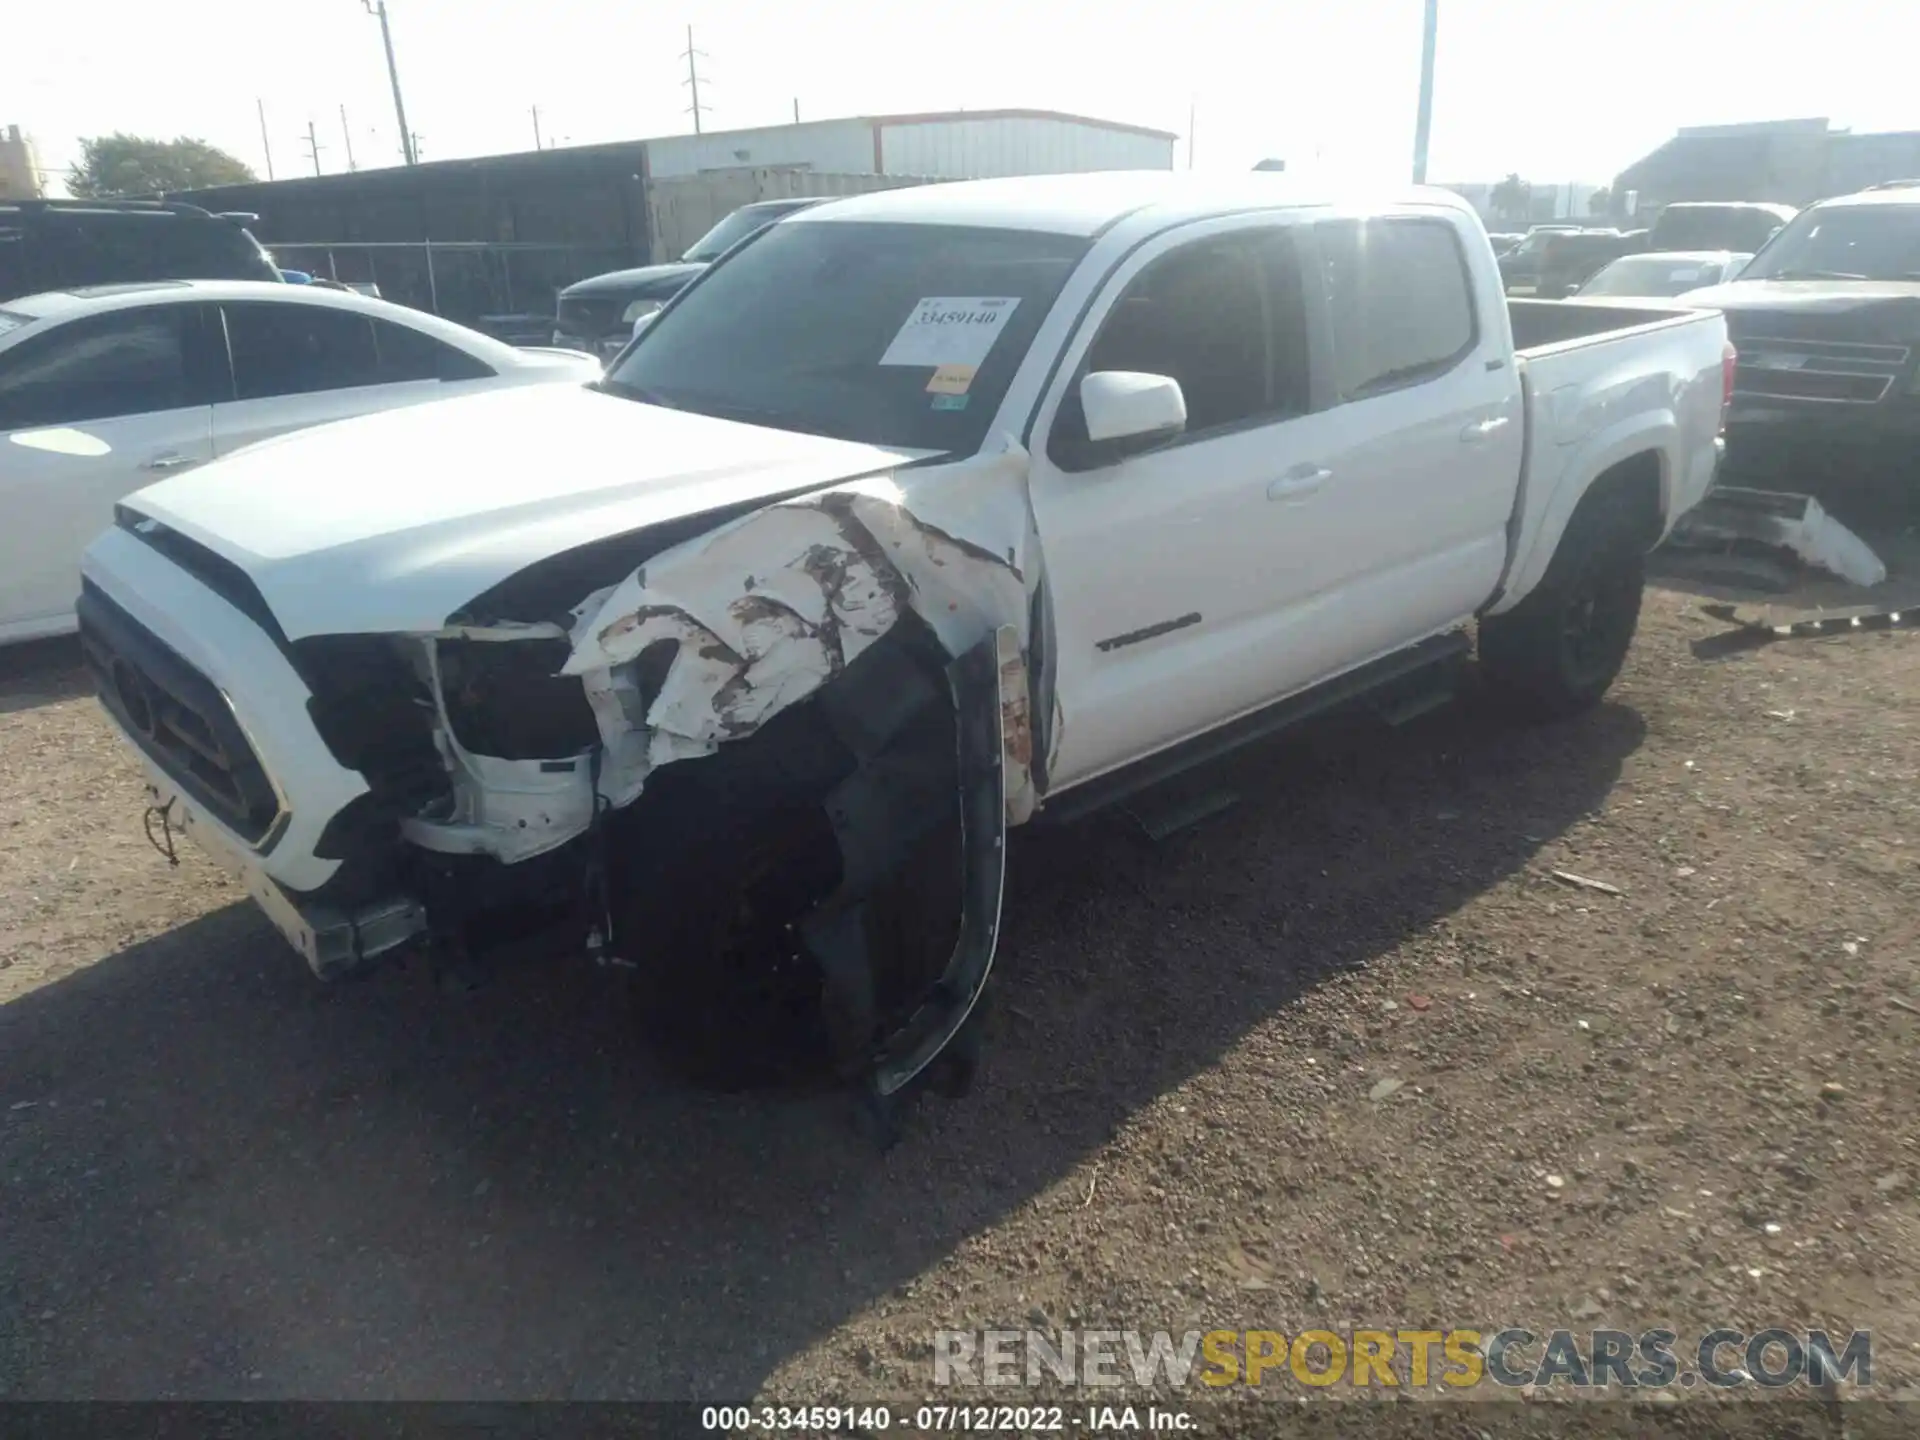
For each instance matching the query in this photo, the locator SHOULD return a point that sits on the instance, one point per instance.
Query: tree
(1600, 202)
(116, 166)
(1511, 198)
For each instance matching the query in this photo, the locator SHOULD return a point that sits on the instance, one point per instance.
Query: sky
(1556, 90)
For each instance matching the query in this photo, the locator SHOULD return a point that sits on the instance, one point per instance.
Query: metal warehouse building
(506, 231)
(953, 145)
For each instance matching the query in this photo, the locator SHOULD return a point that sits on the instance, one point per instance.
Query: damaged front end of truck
(764, 762)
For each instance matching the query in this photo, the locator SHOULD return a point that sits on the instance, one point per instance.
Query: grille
(176, 715)
(1817, 371)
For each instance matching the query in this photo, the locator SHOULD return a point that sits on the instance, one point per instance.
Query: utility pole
(693, 77)
(796, 109)
(413, 138)
(408, 146)
(536, 129)
(314, 147)
(347, 135)
(1423, 125)
(261, 106)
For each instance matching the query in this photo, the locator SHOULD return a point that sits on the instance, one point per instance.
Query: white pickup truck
(919, 516)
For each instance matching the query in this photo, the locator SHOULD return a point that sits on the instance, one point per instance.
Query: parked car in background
(61, 244)
(105, 390)
(918, 516)
(1520, 264)
(1662, 274)
(598, 315)
(1568, 260)
(1717, 225)
(1827, 321)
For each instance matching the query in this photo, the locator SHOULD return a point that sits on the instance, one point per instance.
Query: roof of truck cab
(1089, 204)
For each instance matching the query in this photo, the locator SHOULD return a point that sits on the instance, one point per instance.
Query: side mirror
(1127, 411)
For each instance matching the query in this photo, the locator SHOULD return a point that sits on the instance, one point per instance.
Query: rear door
(296, 365)
(1426, 434)
(91, 411)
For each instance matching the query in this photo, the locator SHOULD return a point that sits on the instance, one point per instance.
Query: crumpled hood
(392, 522)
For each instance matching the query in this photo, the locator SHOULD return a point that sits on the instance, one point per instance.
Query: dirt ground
(1347, 1053)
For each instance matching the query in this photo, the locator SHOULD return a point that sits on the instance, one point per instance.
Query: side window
(407, 354)
(1399, 302)
(298, 350)
(128, 362)
(1198, 315)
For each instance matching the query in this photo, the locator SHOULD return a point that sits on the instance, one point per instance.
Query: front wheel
(1557, 651)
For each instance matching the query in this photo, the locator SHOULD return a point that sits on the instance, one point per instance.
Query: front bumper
(1807, 443)
(239, 663)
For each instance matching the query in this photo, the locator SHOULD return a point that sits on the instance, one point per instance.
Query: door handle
(1299, 482)
(168, 462)
(1481, 429)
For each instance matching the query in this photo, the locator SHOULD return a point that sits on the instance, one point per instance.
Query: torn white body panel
(1796, 523)
(764, 611)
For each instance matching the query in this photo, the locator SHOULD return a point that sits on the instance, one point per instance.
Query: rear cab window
(406, 354)
(1400, 301)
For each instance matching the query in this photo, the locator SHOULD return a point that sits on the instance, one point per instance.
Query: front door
(1171, 573)
(89, 412)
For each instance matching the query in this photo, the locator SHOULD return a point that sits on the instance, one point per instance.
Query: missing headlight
(507, 699)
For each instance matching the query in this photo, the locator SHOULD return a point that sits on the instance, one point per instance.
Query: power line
(693, 78)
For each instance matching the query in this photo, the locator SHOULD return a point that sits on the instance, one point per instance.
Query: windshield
(732, 230)
(1713, 227)
(1849, 242)
(1653, 275)
(898, 335)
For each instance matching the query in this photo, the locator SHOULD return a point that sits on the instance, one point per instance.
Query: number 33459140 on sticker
(950, 330)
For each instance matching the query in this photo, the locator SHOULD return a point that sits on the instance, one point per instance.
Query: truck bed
(1541, 326)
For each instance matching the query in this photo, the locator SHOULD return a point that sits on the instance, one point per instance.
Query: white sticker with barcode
(950, 330)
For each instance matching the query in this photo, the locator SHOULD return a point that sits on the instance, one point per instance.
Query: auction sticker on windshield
(950, 330)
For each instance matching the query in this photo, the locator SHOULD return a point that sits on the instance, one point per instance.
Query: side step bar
(1389, 673)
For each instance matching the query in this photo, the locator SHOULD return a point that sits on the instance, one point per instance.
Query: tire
(1556, 653)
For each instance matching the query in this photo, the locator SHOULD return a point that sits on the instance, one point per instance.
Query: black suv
(1826, 320)
(597, 315)
(65, 244)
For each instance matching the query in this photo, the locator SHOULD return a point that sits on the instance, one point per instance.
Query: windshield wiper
(1813, 275)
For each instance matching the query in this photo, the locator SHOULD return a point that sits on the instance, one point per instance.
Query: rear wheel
(1557, 651)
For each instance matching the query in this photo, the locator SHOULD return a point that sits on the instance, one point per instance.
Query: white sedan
(108, 389)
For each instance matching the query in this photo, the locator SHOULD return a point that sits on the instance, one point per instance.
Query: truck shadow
(41, 672)
(225, 1181)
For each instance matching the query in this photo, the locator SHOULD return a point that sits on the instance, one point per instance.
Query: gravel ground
(1346, 1053)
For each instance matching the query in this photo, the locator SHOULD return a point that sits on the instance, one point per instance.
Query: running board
(1353, 687)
